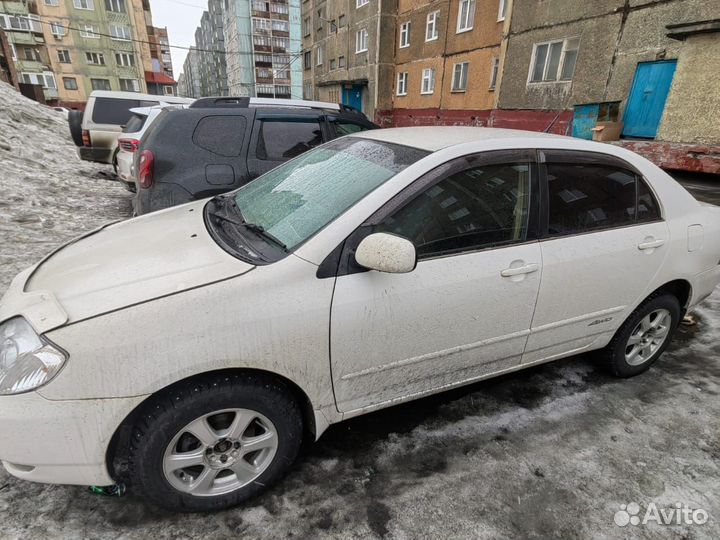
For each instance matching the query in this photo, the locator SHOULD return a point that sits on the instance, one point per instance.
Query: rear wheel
(75, 122)
(214, 443)
(643, 337)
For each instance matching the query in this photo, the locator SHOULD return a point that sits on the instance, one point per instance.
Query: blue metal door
(647, 98)
(584, 119)
(353, 96)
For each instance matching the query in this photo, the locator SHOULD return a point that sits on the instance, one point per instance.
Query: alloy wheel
(648, 336)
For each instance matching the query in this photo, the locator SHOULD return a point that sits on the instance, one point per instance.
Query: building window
(49, 81)
(361, 3)
(64, 56)
(466, 15)
(83, 4)
(402, 83)
(428, 81)
(169, 91)
(16, 23)
(116, 6)
(341, 62)
(100, 84)
(307, 60)
(95, 58)
(554, 60)
(52, 2)
(495, 65)
(262, 41)
(308, 91)
(342, 21)
(57, 29)
(280, 8)
(361, 41)
(281, 42)
(31, 54)
(460, 74)
(333, 64)
(501, 10)
(307, 27)
(319, 56)
(432, 31)
(90, 31)
(125, 59)
(129, 85)
(405, 35)
(120, 32)
(70, 83)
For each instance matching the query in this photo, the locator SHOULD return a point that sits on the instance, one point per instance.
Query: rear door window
(113, 111)
(344, 127)
(282, 139)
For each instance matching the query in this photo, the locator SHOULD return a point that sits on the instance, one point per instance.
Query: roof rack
(245, 102)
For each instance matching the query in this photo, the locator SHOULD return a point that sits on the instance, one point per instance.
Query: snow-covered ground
(548, 452)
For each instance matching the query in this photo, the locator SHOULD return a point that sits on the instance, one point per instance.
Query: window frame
(358, 41)
(584, 157)
(66, 79)
(561, 62)
(89, 3)
(361, 3)
(405, 35)
(92, 33)
(502, 6)
(431, 83)
(435, 15)
(470, 18)
(64, 58)
(401, 76)
(494, 72)
(464, 70)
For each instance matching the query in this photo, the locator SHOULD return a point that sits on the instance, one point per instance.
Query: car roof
(438, 137)
(116, 94)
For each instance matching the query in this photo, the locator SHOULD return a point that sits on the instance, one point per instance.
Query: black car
(219, 144)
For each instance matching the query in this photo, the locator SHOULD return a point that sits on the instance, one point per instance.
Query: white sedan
(188, 352)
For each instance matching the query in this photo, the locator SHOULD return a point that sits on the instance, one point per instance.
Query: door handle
(650, 244)
(527, 269)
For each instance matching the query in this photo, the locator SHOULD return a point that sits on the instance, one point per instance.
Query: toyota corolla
(189, 352)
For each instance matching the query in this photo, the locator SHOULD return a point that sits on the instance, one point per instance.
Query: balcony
(50, 93)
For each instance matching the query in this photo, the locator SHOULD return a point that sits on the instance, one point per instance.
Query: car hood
(134, 261)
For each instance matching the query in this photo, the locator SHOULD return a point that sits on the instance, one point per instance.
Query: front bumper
(60, 442)
(91, 153)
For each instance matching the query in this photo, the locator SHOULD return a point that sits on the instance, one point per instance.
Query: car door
(465, 311)
(603, 242)
(280, 137)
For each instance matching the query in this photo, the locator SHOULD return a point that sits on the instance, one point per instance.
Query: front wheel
(215, 443)
(643, 337)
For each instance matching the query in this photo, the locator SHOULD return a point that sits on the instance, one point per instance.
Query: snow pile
(47, 194)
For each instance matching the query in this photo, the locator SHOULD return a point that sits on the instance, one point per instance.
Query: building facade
(160, 54)
(24, 37)
(7, 64)
(349, 52)
(263, 48)
(209, 72)
(96, 45)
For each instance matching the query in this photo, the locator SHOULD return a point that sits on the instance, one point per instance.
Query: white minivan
(95, 132)
(188, 352)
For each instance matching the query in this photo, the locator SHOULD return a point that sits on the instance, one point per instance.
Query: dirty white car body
(140, 305)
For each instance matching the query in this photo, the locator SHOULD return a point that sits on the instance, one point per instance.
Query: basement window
(554, 60)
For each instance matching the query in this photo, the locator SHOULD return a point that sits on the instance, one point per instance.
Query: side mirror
(386, 253)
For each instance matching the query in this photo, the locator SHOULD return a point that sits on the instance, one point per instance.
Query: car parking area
(550, 451)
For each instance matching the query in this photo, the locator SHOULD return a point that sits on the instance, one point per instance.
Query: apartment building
(96, 45)
(209, 72)
(447, 56)
(160, 50)
(25, 40)
(348, 52)
(7, 65)
(263, 48)
(189, 84)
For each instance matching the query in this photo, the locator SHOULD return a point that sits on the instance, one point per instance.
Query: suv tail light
(129, 145)
(146, 169)
(86, 138)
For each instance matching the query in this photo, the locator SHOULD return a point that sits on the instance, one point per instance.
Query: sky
(181, 17)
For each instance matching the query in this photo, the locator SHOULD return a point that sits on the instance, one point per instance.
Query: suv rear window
(283, 139)
(116, 111)
(135, 123)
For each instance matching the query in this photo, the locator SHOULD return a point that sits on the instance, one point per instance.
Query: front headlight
(27, 361)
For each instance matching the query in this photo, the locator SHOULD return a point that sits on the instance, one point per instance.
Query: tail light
(145, 169)
(129, 145)
(86, 138)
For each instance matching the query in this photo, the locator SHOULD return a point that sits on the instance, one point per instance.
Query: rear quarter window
(221, 135)
(283, 139)
(135, 123)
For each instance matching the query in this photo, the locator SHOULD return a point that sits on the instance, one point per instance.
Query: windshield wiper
(260, 230)
(227, 210)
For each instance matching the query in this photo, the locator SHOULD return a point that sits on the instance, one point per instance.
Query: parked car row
(189, 352)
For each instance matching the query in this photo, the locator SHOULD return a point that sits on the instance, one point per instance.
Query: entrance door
(353, 96)
(647, 98)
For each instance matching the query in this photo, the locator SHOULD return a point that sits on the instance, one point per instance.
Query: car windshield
(297, 199)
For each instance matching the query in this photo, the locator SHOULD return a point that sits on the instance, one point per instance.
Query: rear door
(603, 241)
(278, 137)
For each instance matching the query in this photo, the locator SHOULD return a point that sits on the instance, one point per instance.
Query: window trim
(405, 77)
(405, 33)
(357, 41)
(584, 157)
(472, 8)
(458, 90)
(431, 85)
(561, 63)
(502, 6)
(436, 31)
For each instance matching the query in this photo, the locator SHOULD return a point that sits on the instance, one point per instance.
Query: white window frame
(464, 68)
(494, 71)
(467, 24)
(13, 51)
(124, 58)
(428, 76)
(135, 85)
(116, 4)
(361, 3)
(319, 54)
(90, 31)
(432, 22)
(89, 3)
(405, 34)
(402, 84)
(66, 55)
(361, 41)
(49, 76)
(561, 62)
(115, 31)
(57, 29)
(53, 3)
(98, 55)
(502, 6)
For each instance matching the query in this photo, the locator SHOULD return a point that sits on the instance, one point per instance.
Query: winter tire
(75, 122)
(643, 336)
(214, 442)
